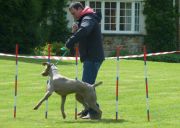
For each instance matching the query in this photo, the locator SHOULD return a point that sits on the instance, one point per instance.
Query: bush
(55, 49)
(122, 53)
(165, 58)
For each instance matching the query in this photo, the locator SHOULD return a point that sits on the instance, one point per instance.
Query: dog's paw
(64, 115)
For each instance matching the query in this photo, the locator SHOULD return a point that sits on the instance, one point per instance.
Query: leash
(66, 51)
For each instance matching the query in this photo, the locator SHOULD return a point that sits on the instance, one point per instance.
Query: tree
(160, 25)
(18, 23)
(59, 31)
(25, 22)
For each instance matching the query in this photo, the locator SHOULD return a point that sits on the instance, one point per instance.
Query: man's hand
(74, 28)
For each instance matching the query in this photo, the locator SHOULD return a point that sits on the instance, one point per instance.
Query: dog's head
(49, 67)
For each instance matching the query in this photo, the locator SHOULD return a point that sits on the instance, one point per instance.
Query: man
(87, 34)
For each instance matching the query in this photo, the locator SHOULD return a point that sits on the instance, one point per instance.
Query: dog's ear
(45, 63)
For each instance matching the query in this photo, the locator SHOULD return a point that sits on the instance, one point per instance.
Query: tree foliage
(26, 22)
(160, 25)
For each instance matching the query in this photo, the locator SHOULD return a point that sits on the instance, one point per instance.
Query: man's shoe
(86, 117)
(83, 113)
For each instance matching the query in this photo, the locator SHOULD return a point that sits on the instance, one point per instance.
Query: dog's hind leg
(63, 99)
(80, 99)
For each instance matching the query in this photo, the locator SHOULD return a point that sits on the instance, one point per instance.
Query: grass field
(164, 96)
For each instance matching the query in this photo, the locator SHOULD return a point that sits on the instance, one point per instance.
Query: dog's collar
(53, 67)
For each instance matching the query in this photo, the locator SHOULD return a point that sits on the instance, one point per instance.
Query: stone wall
(131, 43)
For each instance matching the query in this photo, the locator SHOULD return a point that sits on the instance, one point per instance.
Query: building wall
(130, 43)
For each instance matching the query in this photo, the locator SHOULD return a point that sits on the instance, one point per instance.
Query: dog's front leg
(42, 100)
(63, 99)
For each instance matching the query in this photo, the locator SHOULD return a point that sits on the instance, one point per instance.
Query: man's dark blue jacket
(89, 38)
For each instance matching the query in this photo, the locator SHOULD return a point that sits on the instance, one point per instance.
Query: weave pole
(146, 82)
(76, 58)
(49, 60)
(16, 82)
(117, 79)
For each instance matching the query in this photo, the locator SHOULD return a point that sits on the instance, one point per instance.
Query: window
(137, 9)
(83, 3)
(117, 16)
(110, 16)
(125, 17)
(95, 5)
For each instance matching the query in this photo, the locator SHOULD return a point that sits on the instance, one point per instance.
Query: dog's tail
(95, 85)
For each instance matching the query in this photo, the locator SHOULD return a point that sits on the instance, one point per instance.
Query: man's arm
(84, 30)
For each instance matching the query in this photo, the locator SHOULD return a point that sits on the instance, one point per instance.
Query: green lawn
(164, 96)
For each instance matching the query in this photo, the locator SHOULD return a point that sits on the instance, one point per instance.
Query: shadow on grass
(37, 61)
(108, 121)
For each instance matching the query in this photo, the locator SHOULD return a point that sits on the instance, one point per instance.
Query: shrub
(55, 49)
(122, 53)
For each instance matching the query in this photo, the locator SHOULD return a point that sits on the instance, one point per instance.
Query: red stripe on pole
(117, 51)
(49, 52)
(146, 88)
(117, 82)
(145, 53)
(76, 54)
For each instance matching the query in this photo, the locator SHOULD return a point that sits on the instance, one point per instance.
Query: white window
(125, 17)
(110, 16)
(117, 16)
(96, 5)
(83, 3)
(137, 16)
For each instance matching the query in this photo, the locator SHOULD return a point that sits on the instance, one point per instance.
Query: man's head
(75, 9)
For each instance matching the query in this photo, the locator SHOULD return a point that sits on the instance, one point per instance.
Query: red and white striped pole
(76, 58)
(16, 82)
(117, 80)
(49, 60)
(146, 82)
